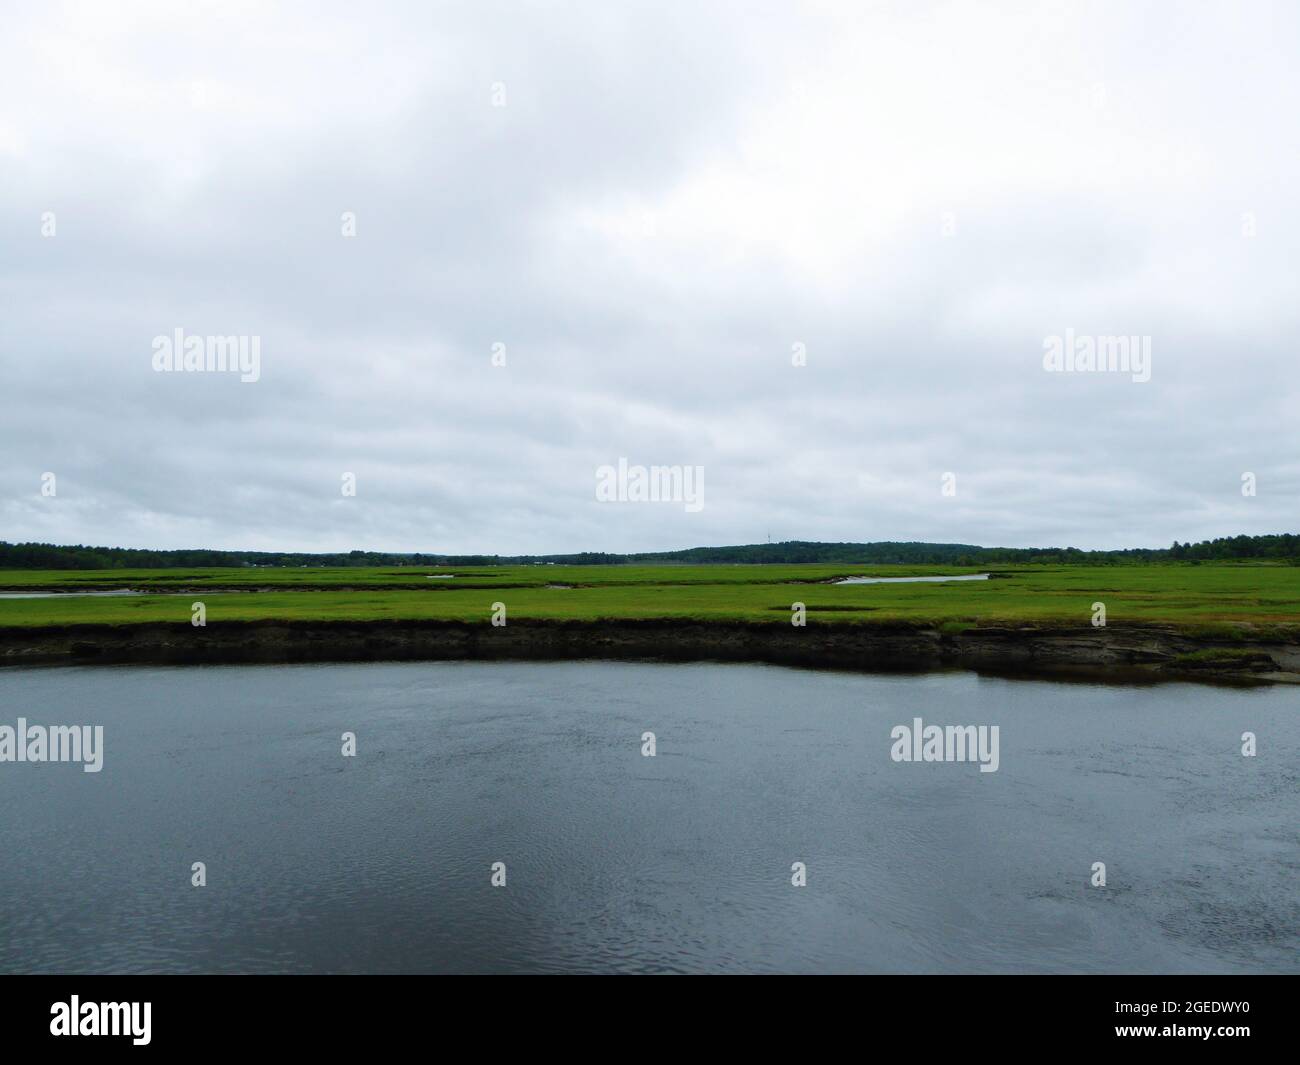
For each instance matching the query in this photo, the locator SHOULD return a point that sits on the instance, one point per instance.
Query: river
(617, 861)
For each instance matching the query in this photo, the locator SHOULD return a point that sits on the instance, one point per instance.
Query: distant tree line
(1285, 546)
(53, 556)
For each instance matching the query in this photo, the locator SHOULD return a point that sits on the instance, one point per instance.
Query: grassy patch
(1213, 655)
(1227, 601)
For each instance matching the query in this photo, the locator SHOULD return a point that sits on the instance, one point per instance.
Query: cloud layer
(673, 200)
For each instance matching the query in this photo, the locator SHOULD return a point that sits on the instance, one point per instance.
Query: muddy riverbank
(1116, 652)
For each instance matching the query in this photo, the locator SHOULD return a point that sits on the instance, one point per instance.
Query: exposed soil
(1122, 653)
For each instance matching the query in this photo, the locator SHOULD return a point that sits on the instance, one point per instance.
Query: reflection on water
(65, 595)
(615, 861)
(912, 580)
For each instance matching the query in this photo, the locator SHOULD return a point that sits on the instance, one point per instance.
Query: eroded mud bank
(1117, 652)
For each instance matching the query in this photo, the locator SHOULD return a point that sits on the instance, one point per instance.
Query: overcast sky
(649, 206)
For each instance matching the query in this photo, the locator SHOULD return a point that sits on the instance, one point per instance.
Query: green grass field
(1255, 599)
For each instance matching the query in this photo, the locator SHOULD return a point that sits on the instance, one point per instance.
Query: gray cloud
(669, 200)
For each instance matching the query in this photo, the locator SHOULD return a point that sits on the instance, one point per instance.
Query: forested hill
(1236, 548)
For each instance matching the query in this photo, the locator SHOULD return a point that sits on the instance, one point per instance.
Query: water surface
(912, 580)
(619, 862)
(66, 595)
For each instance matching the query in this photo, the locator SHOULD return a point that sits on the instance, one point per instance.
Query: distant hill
(1285, 546)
